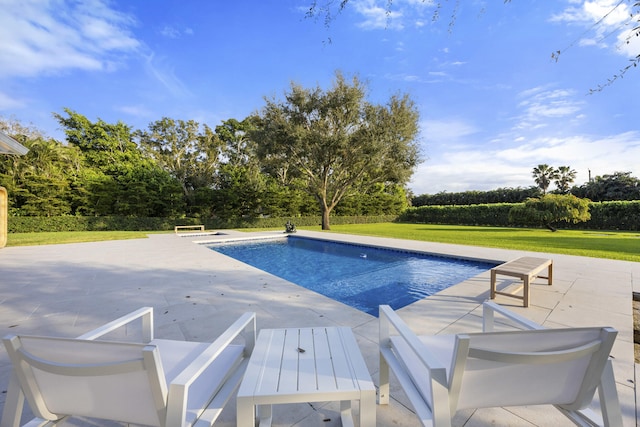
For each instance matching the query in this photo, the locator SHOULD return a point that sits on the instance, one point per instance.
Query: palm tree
(543, 175)
(564, 179)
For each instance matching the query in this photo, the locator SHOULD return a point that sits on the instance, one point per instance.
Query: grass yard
(600, 244)
(53, 238)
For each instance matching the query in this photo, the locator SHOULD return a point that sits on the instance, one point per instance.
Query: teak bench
(526, 269)
(185, 227)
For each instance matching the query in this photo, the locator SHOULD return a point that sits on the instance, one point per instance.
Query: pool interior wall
(360, 276)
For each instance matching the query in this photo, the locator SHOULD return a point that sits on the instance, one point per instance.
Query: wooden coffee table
(299, 365)
(526, 269)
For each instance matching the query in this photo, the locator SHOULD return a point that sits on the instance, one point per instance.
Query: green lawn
(51, 238)
(600, 244)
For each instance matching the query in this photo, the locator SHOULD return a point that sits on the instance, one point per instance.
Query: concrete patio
(66, 290)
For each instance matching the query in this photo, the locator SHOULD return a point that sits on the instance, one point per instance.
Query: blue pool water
(360, 276)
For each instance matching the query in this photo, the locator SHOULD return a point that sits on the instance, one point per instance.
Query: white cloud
(540, 104)
(376, 16)
(600, 19)
(396, 15)
(483, 167)
(175, 33)
(162, 71)
(51, 36)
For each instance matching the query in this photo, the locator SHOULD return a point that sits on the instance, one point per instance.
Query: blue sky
(493, 103)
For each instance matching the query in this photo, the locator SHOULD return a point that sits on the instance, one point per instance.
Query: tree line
(618, 186)
(315, 151)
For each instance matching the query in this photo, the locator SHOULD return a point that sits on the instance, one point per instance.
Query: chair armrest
(388, 317)
(179, 387)
(489, 309)
(433, 409)
(246, 324)
(146, 313)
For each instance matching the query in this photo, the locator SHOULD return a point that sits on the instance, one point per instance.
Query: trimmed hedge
(495, 214)
(622, 215)
(29, 224)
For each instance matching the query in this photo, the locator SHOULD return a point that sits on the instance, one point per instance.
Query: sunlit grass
(599, 244)
(59, 237)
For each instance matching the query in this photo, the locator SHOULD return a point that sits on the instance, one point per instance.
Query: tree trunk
(325, 217)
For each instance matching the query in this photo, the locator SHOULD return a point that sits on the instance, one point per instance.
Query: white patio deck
(66, 290)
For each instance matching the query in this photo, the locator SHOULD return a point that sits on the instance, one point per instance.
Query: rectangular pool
(360, 276)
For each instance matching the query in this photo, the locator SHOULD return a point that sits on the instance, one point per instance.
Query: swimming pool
(360, 276)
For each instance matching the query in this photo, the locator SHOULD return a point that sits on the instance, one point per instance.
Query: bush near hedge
(30, 224)
(622, 215)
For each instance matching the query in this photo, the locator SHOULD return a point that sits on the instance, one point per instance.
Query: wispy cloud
(162, 71)
(173, 32)
(138, 111)
(47, 37)
(541, 105)
(396, 15)
(606, 23)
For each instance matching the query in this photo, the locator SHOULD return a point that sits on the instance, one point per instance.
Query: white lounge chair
(153, 382)
(444, 373)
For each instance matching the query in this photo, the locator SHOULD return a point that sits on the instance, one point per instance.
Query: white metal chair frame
(170, 400)
(434, 376)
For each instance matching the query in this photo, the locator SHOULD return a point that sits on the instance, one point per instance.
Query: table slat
(307, 365)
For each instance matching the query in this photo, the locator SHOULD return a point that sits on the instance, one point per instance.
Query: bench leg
(493, 284)
(527, 280)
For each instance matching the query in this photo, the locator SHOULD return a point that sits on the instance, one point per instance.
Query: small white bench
(188, 227)
(525, 269)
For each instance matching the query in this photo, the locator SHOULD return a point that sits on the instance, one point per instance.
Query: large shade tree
(336, 140)
(189, 153)
(116, 178)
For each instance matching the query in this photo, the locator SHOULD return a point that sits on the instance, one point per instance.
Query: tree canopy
(550, 209)
(337, 142)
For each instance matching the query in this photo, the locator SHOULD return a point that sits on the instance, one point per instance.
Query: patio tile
(196, 293)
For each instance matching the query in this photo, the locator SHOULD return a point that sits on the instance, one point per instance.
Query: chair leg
(14, 403)
(611, 414)
(383, 391)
